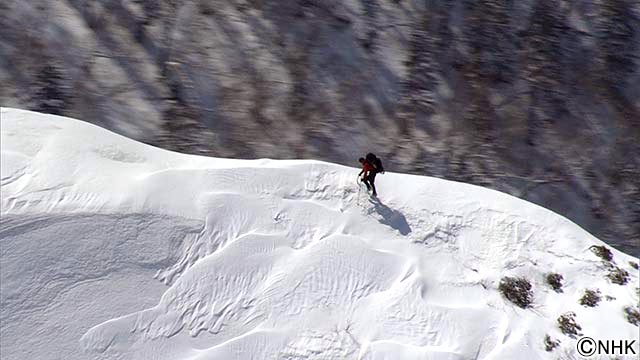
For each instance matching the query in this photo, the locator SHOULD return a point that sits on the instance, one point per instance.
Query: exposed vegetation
(632, 315)
(602, 252)
(550, 344)
(567, 324)
(555, 281)
(633, 264)
(618, 276)
(517, 290)
(590, 298)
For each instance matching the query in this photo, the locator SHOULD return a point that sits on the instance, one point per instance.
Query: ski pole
(359, 190)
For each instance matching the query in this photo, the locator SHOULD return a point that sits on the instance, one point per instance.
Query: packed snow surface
(112, 249)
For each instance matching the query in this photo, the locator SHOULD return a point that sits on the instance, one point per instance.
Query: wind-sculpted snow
(116, 250)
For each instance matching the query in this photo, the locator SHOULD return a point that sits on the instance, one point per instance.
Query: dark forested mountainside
(537, 98)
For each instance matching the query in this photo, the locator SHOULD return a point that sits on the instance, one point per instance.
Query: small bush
(618, 276)
(516, 290)
(567, 324)
(633, 315)
(550, 344)
(633, 264)
(555, 281)
(590, 298)
(602, 252)
(609, 298)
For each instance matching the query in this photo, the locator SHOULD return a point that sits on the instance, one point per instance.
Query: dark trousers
(369, 181)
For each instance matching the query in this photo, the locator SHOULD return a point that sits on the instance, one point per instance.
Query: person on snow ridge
(369, 171)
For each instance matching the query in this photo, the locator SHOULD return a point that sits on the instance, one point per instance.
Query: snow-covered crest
(143, 253)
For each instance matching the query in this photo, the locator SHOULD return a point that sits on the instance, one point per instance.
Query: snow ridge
(227, 259)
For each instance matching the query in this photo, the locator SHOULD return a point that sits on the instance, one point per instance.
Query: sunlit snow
(112, 249)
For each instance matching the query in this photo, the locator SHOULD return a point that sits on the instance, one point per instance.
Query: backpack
(375, 161)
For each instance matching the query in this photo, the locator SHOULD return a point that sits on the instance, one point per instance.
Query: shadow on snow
(391, 217)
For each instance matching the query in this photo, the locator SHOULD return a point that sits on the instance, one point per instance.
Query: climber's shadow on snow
(391, 217)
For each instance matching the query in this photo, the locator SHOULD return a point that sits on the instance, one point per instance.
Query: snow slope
(112, 249)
